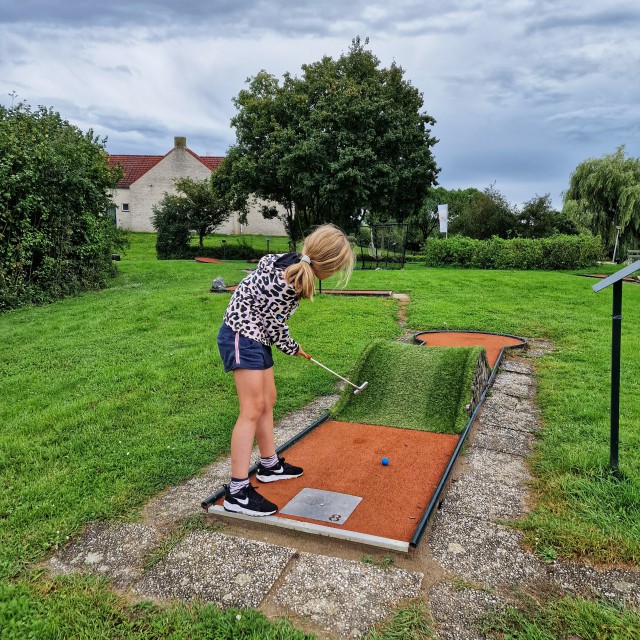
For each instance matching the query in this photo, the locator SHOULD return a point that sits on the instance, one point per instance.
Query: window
(125, 206)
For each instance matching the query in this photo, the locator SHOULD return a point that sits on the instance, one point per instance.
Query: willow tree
(345, 137)
(604, 194)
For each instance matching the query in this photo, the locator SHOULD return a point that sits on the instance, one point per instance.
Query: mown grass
(109, 397)
(563, 618)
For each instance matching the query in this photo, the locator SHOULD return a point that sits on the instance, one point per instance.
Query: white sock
(237, 484)
(270, 462)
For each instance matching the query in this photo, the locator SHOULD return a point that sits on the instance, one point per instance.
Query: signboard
(443, 216)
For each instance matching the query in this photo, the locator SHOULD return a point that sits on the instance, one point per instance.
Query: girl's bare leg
(257, 395)
(264, 428)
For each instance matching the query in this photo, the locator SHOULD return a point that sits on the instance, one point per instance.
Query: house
(147, 179)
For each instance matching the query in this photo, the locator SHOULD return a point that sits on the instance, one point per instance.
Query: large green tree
(483, 214)
(604, 193)
(344, 138)
(538, 219)
(56, 233)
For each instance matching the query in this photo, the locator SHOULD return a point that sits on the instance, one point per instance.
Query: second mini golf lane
(492, 342)
(345, 457)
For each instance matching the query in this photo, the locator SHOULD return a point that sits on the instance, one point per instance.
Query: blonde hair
(330, 252)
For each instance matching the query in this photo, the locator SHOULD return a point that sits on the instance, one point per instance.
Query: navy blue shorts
(239, 352)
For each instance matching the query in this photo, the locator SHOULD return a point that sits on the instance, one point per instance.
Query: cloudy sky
(522, 90)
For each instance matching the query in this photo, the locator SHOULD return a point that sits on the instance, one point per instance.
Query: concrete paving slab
(497, 399)
(513, 384)
(619, 585)
(473, 495)
(514, 418)
(516, 366)
(115, 551)
(458, 611)
(483, 552)
(496, 467)
(514, 378)
(494, 436)
(212, 567)
(344, 596)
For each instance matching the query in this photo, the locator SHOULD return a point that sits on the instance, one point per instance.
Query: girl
(255, 319)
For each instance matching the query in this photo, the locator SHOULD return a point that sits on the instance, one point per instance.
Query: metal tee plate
(326, 506)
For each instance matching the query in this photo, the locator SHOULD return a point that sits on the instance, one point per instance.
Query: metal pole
(615, 248)
(616, 331)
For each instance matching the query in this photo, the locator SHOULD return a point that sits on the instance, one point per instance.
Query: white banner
(443, 216)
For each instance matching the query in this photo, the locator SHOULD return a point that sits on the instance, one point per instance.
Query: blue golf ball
(385, 461)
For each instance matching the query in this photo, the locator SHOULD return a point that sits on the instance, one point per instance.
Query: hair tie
(306, 259)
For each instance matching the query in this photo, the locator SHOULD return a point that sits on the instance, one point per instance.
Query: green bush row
(556, 252)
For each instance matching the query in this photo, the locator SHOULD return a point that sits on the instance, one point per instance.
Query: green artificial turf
(411, 386)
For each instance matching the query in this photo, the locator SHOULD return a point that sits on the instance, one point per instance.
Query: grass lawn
(111, 396)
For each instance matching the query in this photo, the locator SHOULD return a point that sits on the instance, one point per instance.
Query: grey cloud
(619, 18)
(232, 17)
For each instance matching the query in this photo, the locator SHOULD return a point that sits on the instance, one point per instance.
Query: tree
(344, 138)
(56, 234)
(483, 215)
(538, 219)
(195, 206)
(603, 194)
(201, 207)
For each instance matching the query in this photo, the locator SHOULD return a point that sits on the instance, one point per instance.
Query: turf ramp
(415, 387)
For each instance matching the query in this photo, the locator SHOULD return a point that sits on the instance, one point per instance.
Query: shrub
(174, 233)
(556, 252)
(56, 234)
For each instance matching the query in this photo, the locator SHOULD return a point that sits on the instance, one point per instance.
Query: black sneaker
(282, 471)
(248, 501)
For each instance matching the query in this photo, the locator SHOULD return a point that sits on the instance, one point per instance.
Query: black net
(382, 246)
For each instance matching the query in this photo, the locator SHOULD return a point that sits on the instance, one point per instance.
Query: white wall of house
(134, 205)
(256, 224)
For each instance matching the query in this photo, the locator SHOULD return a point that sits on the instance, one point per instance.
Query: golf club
(357, 388)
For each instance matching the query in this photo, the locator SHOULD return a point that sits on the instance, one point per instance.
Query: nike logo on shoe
(244, 502)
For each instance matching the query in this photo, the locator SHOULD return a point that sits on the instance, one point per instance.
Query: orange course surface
(345, 457)
(492, 342)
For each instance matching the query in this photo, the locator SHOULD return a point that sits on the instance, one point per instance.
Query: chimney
(179, 142)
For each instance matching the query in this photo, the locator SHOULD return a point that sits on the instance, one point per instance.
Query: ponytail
(325, 252)
(302, 278)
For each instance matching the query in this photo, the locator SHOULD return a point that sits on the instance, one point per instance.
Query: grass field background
(109, 397)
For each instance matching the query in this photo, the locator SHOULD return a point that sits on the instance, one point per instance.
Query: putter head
(363, 386)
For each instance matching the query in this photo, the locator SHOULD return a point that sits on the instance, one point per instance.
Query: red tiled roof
(211, 162)
(136, 166)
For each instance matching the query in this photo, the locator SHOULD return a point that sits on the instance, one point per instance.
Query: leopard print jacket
(263, 302)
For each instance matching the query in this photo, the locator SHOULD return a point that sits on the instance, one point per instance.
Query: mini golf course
(416, 412)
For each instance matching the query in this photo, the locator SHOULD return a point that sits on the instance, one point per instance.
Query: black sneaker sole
(236, 508)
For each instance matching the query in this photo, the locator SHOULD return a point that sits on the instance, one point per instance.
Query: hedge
(57, 236)
(556, 252)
